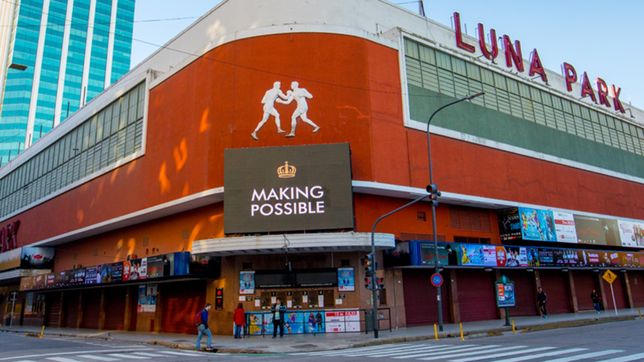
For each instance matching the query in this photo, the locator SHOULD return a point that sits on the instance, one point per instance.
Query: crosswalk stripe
(43, 355)
(503, 354)
(540, 355)
(414, 351)
(192, 354)
(452, 352)
(123, 355)
(62, 359)
(148, 354)
(382, 350)
(586, 355)
(390, 351)
(632, 357)
(339, 352)
(457, 354)
(98, 358)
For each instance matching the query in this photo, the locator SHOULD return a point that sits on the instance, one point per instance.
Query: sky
(598, 37)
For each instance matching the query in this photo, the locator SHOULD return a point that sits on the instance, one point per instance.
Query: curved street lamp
(435, 194)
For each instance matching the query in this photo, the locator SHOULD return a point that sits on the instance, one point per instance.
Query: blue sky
(600, 38)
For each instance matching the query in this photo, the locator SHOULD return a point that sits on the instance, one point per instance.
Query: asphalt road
(614, 342)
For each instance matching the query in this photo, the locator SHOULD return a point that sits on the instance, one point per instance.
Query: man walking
(542, 298)
(278, 310)
(594, 296)
(202, 328)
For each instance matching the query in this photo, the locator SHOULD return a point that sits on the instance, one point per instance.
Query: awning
(16, 274)
(292, 243)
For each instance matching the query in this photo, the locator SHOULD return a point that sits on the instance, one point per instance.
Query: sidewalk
(305, 343)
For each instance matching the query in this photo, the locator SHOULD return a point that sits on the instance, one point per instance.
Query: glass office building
(56, 55)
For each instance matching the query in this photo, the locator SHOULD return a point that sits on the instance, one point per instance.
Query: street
(614, 342)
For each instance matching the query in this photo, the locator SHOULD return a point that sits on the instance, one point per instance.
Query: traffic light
(434, 194)
(367, 282)
(219, 299)
(381, 283)
(367, 262)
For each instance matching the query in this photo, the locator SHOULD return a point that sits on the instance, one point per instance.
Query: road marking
(386, 351)
(147, 354)
(123, 355)
(632, 357)
(540, 355)
(452, 352)
(415, 351)
(503, 354)
(192, 354)
(98, 358)
(62, 359)
(458, 354)
(70, 353)
(587, 355)
(342, 351)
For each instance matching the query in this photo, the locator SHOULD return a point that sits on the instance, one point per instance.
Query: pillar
(101, 311)
(573, 293)
(127, 315)
(79, 315)
(602, 290)
(455, 309)
(629, 294)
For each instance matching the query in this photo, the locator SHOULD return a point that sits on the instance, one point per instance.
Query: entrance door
(180, 302)
(555, 284)
(114, 308)
(476, 295)
(585, 282)
(420, 298)
(524, 292)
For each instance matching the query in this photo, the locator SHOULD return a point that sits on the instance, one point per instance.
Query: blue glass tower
(58, 55)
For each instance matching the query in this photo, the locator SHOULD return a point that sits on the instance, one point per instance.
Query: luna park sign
(600, 93)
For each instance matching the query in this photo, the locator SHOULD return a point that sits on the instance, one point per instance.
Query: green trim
(483, 122)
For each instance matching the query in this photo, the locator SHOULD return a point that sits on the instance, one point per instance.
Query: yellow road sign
(609, 276)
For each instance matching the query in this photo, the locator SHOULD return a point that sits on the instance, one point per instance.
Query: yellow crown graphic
(286, 170)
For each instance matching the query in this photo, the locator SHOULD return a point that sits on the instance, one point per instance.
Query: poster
(138, 269)
(597, 231)
(246, 282)
(156, 266)
(505, 295)
(509, 224)
(516, 256)
(565, 227)
(294, 323)
(314, 322)
(342, 321)
(346, 280)
(537, 224)
(147, 302)
(631, 233)
(37, 258)
(477, 255)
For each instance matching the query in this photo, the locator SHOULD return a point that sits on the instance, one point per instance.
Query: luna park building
(247, 159)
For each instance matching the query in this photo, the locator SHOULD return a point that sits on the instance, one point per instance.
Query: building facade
(251, 166)
(56, 55)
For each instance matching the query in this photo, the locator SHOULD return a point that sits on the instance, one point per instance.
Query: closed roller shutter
(114, 308)
(555, 284)
(420, 298)
(70, 309)
(620, 293)
(91, 308)
(585, 282)
(180, 302)
(524, 292)
(53, 310)
(637, 287)
(476, 295)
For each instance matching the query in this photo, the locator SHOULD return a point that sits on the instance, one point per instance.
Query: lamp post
(374, 290)
(435, 194)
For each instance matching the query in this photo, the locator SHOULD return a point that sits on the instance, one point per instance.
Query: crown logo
(286, 170)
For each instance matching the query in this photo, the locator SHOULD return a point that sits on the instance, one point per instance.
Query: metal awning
(292, 243)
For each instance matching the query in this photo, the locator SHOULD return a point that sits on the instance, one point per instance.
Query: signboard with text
(287, 188)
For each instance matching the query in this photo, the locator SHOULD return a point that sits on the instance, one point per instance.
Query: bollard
(42, 332)
(460, 327)
(435, 332)
(514, 327)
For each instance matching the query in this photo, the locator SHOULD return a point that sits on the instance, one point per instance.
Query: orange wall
(214, 103)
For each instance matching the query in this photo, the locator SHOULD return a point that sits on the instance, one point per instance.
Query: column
(101, 311)
(629, 294)
(454, 309)
(573, 293)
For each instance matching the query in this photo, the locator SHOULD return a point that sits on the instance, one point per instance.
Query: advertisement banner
(516, 256)
(288, 188)
(565, 227)
(427, 253)
(477, 255)
(342, 321)
(92, 275)
(596, 231)
(147, 302)
(137, 269)
(346, 280)
(247, 282)
(505, 295)
(10, 259)
(631, 234)
(537, 224)
(509, 224)
(156, 265)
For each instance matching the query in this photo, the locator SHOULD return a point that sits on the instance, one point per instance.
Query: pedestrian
(202, 328)
(542, 299)
(318, 322)
(594, 296)
(279, 310)
(239, 318)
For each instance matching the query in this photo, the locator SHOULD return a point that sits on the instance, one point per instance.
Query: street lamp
(435, 194)
(374, 290)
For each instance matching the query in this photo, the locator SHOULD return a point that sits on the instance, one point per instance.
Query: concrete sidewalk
(304, 343)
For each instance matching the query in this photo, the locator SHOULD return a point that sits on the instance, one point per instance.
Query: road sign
(437, 280)
(609, 276)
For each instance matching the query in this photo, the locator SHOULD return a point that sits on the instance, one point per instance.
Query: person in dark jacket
(202, 328)
(279, 310)
(597, 302)
(239, 318)
(542, 299)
